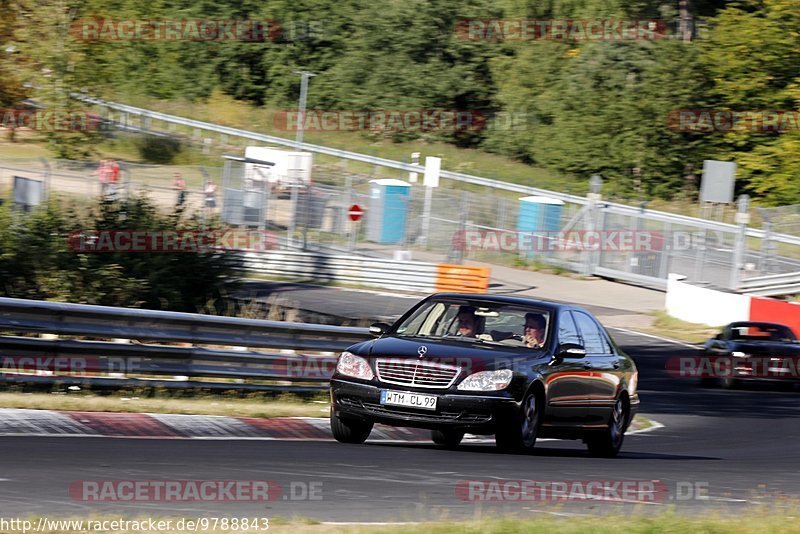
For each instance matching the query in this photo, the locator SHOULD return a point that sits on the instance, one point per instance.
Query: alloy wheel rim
(530, 422)
(618, 420)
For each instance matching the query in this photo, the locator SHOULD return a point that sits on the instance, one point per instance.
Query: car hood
(766, 348)
(478, 356)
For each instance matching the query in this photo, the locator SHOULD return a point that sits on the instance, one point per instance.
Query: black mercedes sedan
(514, 367)
(750, 350)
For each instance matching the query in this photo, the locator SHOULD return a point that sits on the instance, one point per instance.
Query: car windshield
(478, 322)
(762, 332)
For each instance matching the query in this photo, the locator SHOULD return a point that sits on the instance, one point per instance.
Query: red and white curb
(24, 422)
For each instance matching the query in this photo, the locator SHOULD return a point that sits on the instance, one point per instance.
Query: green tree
(752, 55)
(41, 258)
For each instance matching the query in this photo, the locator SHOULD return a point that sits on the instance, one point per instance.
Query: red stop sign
(355, 212)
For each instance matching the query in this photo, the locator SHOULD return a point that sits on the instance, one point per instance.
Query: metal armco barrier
(194, 348)
(375, 272)
(771, 285)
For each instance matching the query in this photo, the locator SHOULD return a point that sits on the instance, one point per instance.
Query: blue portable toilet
(539, 215)
(388, 210)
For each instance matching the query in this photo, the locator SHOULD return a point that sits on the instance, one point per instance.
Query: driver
(467, 322)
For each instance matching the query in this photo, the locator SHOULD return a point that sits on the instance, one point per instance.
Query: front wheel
(519, 433)
(447, 438)
(350, 431)
(608, 442)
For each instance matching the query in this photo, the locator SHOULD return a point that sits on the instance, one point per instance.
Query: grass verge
(767, 521)
(667, 326)
(282, 406)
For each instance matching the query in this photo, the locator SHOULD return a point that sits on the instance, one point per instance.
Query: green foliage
(156, 149)
(752, 55)
(578, 107)
(38, 259)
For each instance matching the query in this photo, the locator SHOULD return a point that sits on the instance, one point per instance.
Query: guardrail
(368, 271)
(771, 285)
(105, 348)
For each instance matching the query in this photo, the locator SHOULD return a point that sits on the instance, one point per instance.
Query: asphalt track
(740, 447)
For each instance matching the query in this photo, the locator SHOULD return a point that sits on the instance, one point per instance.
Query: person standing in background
(113, 179)
(102, 174)
(210, 192)
(179, 184)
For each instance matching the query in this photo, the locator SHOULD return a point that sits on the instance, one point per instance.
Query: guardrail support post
(595, 186)
(666, 250)
(426, 216)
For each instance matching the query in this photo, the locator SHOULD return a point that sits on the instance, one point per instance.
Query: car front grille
(416, 373)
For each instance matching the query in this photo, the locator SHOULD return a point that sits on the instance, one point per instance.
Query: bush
(158, 150)
(37, 261)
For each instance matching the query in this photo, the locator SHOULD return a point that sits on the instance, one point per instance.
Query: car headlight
(487, 380)
(351, 365)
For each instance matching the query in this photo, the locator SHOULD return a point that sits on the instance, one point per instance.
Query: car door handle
(587, 365)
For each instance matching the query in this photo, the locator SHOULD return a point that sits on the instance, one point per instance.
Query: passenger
(533, 333)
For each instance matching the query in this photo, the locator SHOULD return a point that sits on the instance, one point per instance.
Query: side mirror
(718, 336)
(378, 329)
(570, 350)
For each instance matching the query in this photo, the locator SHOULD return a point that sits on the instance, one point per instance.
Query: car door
(603, 375)
(567, 385)
(718, 345)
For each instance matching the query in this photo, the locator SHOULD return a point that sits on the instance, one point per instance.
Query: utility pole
(685, 27)
(301, 119)
(305, 75)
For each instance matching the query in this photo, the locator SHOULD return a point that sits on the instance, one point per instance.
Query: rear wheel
(350, 431)
(447, 438)
(708, 383)
(519, 433)
(729, 382)
(608, 441)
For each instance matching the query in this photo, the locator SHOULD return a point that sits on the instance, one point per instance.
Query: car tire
(607, 442)
(708, 383)
(519, 433)
(350, 431)
(729, 383)
(447, 438)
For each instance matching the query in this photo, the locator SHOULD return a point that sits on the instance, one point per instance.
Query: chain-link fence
(451, 223)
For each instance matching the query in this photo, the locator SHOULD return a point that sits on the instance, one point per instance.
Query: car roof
(505, 299)
(742, 324)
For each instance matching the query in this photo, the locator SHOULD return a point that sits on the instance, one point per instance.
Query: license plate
(410, 400)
